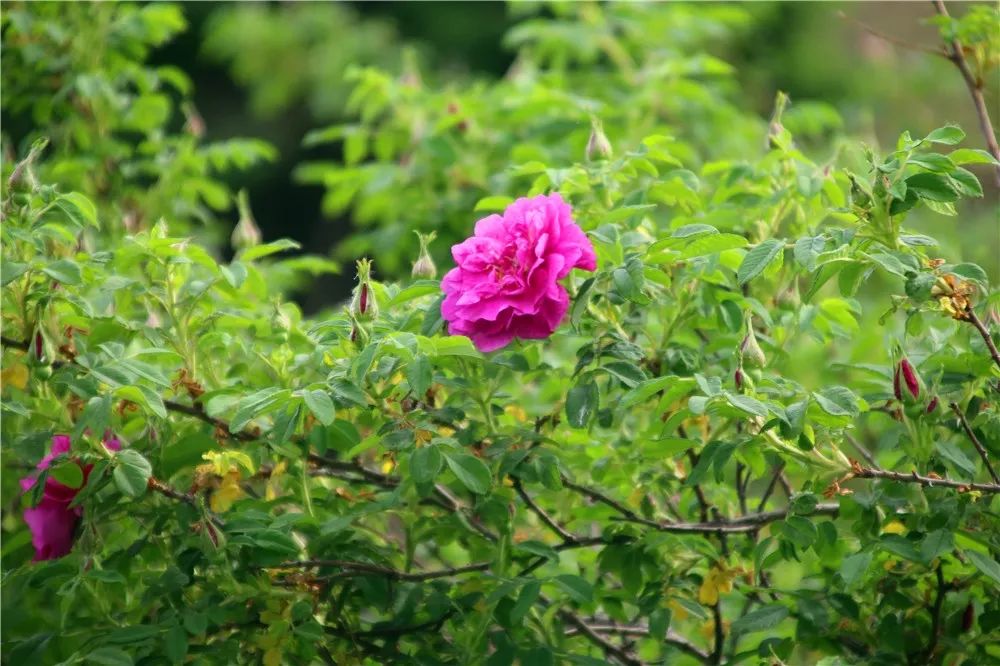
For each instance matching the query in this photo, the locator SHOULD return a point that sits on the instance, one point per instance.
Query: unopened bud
(364, 307)
(933, 405)
(738, 378)
(39, 347)
(424, 266)
(750, 350)
(968, 617)
(194, 124)
(247, 233)
(598, 145)
(910, 377)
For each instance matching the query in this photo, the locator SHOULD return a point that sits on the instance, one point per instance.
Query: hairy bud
(424, 266)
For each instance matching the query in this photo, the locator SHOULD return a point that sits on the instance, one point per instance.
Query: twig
(975, 442)
(720, 634)
(936, 613)
(747, 523)
(602, 498)
(621, 654)
(974, 319)
(672, 637)
(770, 486)
(929, 481)
(954, 52)
(540, 512)
(860, 448)
(361, 568)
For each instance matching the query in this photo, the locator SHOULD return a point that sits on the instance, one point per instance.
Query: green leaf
(948, 135)
(321, 405)
(175, 644)
(765, 617)
(932, 187)
(67, 473)
(712, 244)
(644, 391)
(132, 472)
(414, 291)
(65, 271)
(936, 544)
(10, 271)
(747, 404)
(576, 587)
(853, 568)
(986, 564)
(971, 156)
(425, 464)
(581, 403)
(493, 203)
(837, 401)
(758, 259)
(274, 247)
(109, 656)
(525, 600)
(78, 208)
(471, 471)
(418, 375)
(630, 374)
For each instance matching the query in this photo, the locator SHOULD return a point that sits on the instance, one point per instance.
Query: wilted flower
(424, 266)
(52, 521)
(506, 284)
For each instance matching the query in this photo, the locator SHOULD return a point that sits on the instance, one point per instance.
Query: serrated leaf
(712, 244)
(986, 564)
(132, 472)
(948, 135)
(758, 259)
(266, 249)
(760, 619)
(581, 403)
(65, 271)
(321, 405)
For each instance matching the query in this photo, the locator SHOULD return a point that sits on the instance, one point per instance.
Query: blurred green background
(276, 71)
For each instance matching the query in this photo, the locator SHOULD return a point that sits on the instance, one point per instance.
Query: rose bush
(758, 425)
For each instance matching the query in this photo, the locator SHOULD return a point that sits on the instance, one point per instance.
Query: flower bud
(364, 307)
(738, 378)
(933, 405)
(247, 233)
(39, 347)
(424, 266)
(598, 145)
(909, 378)
(968, 617)
(750, 351)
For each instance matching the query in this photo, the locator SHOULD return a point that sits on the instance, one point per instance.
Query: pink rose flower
(506, 284)
(52, 521)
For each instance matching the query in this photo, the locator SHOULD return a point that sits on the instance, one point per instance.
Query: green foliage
(716, 459)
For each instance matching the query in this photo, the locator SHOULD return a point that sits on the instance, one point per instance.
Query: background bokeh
(276, 71)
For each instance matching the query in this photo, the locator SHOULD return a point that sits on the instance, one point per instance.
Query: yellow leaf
(677, 610)
(272, 657)
(517, 412)
(228, 492)
(273, 488)
(894, 527)
(15, 375)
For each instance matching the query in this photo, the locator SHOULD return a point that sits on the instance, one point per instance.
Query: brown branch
(747, 523)
(597, 496)
(929, 481)
(942, 589)
(361, 568)
(974, 319)
(620, 653)
(671, 638)
(954, 52)
(540, 512)
(975, 442)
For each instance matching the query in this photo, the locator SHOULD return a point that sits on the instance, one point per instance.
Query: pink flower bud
(933, 405)
(910, 377)
(363, 306)
(738, 377)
